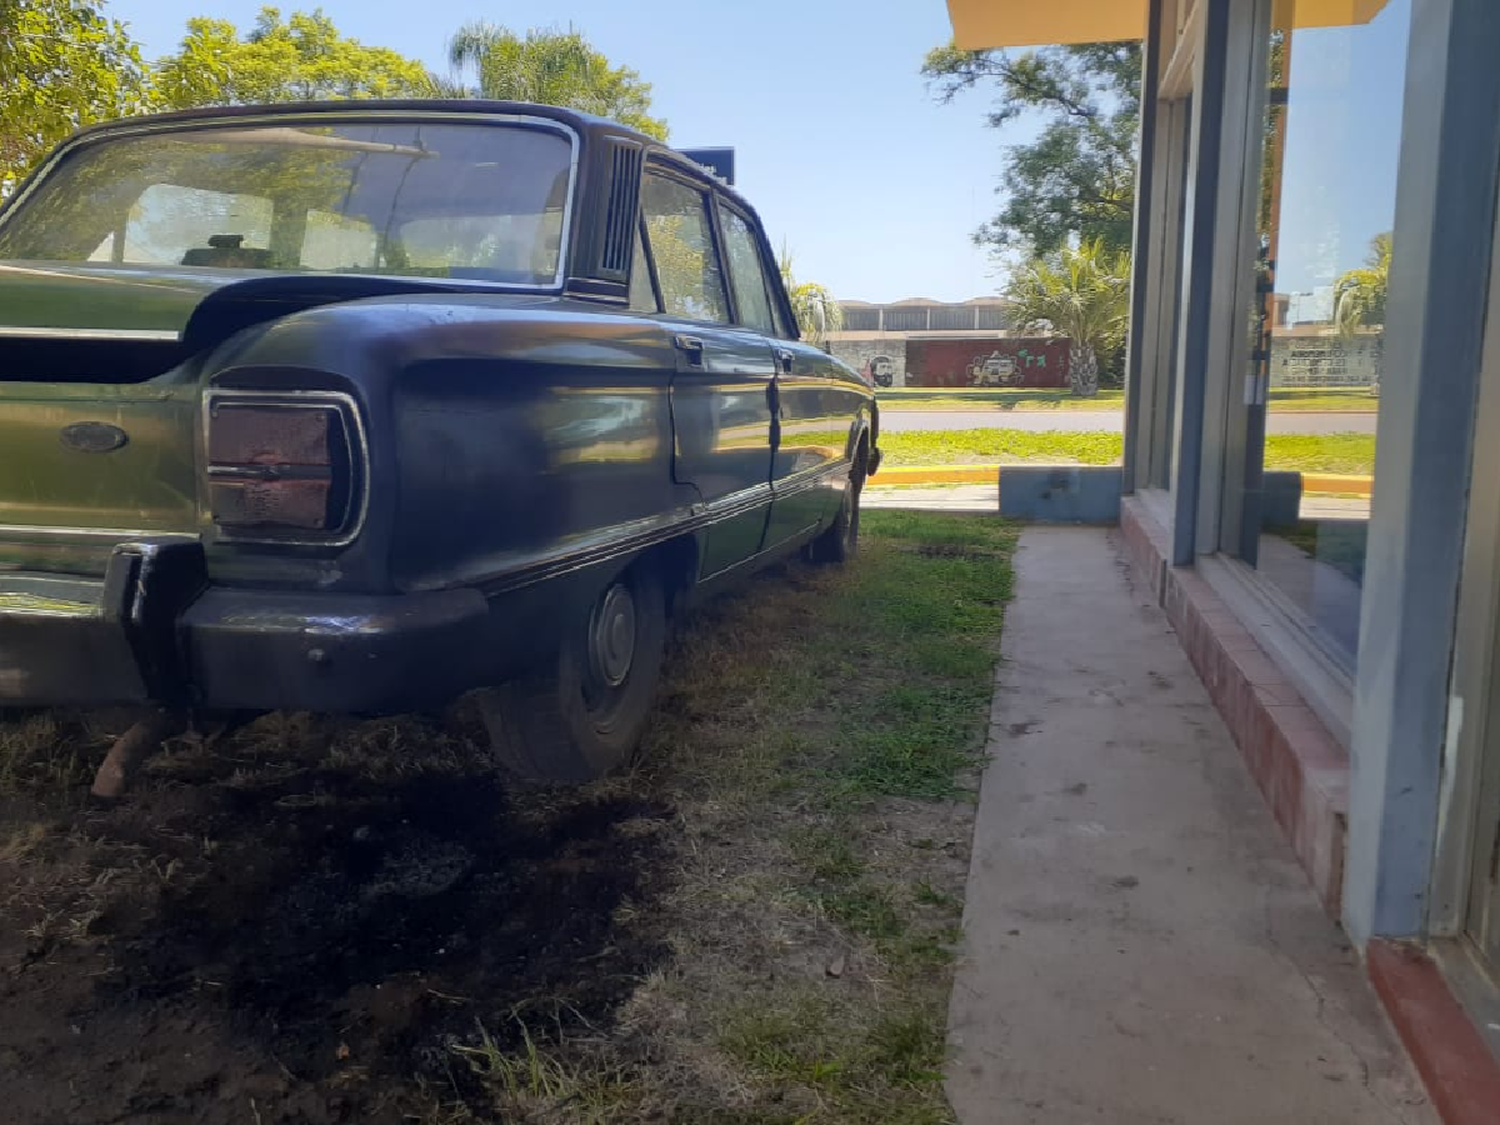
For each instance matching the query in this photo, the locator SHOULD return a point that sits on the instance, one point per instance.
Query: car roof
(354, 107)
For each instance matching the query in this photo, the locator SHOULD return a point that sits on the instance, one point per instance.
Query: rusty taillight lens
(281, 469)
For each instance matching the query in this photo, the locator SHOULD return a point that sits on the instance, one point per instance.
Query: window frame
(700, 184)
(646, 262)
(757, 241)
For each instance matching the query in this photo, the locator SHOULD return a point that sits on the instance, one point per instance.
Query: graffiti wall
(1015, 361)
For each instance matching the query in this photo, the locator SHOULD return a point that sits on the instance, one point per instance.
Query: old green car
(359, 407)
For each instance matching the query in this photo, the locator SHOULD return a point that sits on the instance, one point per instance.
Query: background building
(920, 342)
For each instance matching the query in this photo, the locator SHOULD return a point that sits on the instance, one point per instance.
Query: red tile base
(1301, 770)
(1462, 1076)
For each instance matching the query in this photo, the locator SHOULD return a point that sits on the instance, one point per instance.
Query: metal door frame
(1469, 800)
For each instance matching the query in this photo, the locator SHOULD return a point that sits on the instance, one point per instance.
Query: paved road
(1280, 422)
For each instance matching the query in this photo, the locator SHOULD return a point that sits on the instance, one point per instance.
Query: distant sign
(718, 161)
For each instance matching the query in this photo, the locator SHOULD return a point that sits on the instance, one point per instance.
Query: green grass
(1309, 453)
(916, 398)
(1352, 454)
(1286, 400)
(1356, 400)
(1000, 446)
(801, 773)
(798, 1040)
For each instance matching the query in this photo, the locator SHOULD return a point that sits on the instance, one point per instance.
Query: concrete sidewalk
(1140, 945)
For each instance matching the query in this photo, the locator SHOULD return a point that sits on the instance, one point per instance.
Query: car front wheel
(583, 714)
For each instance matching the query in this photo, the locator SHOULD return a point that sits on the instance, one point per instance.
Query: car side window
(682, 248)
(747, 272)
(642, 296)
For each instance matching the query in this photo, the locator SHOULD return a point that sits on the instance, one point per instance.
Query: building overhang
(982, 24)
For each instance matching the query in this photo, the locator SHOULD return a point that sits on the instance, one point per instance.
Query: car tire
(839, 542)
(583, 714)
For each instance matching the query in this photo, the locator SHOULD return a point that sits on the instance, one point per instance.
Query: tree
(553, 68)
(1359, 295)
(1076, 181)
(62, 65)
(1083, 294)
(813, 305)
(302, 58)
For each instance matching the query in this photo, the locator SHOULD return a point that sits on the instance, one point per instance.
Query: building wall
(972, 361)
(1016, 361)
(863, 354)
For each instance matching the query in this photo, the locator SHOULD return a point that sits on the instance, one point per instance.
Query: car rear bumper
(154, 630)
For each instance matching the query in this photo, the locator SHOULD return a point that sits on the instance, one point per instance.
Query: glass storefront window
(1327, 203)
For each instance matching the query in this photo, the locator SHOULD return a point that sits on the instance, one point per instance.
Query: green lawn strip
(818, 735)
(917, 398)
(1344, 453)
(1283, 400)
(1354, 400)
(921, 614)
(998, 445)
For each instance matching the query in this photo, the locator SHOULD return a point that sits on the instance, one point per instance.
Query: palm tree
(813, 305)
(553, 68)
(1359, 295)
(1083, 294)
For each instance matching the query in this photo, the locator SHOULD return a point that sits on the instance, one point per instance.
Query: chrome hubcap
(612, 637)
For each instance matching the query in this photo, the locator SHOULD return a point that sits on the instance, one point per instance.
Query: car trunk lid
(89, 465)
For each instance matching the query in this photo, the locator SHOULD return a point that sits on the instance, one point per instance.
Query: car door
(724, 385)
(814, 401)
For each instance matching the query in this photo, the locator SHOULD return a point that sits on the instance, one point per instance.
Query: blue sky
(873, 186)
(1343, 142)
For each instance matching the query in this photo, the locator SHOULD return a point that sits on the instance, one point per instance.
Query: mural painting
(880, 371)
(1016, 361)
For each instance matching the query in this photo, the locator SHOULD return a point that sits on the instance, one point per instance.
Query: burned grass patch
(313, 917)
(311, 921)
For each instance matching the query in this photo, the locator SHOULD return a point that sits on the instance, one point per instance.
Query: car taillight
(281, 469)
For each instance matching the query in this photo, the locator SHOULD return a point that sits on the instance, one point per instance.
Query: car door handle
(784, 360)
(690, 346)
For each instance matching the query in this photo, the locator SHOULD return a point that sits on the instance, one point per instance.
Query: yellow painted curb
(936, 474)
(1336, 484)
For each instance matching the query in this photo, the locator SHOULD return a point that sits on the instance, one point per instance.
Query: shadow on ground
(287, 924)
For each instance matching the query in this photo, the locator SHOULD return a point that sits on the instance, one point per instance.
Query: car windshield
(477, 201)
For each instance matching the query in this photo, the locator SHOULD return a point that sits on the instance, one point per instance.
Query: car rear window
(479, 201)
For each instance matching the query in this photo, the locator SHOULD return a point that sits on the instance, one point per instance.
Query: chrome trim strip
(621, 539)
(355, 115)
(735, 503)
(359, 449)
(682, 522)
(165, 335)
(811, 478)
(118, 534)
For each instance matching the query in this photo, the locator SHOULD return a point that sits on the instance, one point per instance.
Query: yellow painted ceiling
(978, 24)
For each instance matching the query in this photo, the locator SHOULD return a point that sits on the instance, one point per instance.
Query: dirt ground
(308, 921)
(274, 928)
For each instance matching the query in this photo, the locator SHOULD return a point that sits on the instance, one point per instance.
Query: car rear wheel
(840, 541)
(583, 714)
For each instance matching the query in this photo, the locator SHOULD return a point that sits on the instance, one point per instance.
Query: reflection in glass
(478, 201)
(1315, 335)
